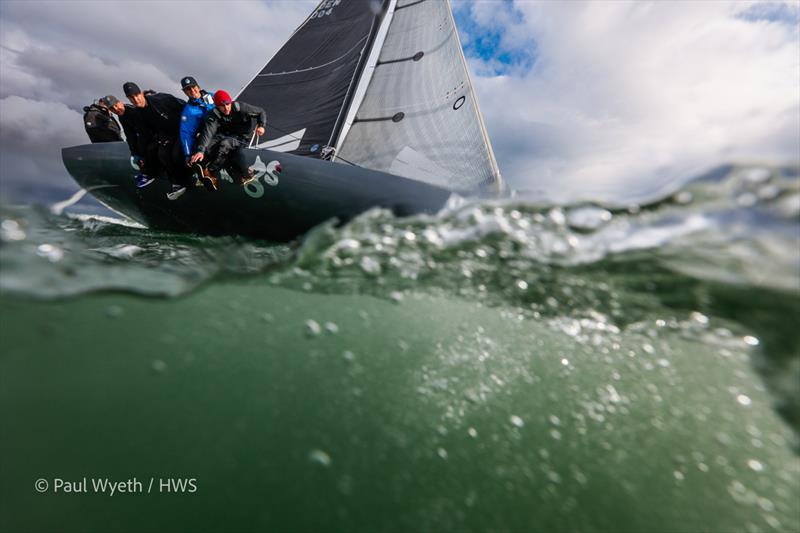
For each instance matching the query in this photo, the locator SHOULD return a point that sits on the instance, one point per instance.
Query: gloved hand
(137, 161)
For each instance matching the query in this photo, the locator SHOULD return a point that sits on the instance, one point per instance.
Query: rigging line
(301, 140)
(58, 207)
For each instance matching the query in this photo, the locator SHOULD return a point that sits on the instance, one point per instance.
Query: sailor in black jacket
(227, 128)
(158, 120)
(127, 116)
(99, 124)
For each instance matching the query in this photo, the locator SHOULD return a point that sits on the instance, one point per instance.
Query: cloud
(626, 98)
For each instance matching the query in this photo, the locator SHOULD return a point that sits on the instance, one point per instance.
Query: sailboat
(369, 104)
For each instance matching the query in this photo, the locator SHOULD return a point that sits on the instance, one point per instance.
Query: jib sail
(419, 116)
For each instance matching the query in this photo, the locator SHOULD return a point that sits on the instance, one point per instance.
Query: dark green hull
(277, 206)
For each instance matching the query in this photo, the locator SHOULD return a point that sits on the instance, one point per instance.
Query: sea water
(502, 365)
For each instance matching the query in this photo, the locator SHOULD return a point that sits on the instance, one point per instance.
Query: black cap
(108, 101)
(130, 88)
(188, 81)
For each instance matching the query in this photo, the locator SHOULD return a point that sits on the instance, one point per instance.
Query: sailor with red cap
(227, 128)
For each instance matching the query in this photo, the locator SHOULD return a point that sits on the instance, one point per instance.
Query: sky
(582, 100)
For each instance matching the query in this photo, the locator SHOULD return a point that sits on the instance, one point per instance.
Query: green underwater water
(430, 414)
(498, 367)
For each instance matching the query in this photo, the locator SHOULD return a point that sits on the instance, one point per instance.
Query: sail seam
(434, 49)
(409, 5)
(332, 61)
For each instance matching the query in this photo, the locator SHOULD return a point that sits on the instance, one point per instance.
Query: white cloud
(626, 95)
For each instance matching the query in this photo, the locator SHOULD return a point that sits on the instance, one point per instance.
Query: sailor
(227, 128)
(126, 114)
(199, 104)
(158, 125)
(99, 124)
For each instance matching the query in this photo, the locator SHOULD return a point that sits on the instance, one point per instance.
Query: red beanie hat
(221, 98)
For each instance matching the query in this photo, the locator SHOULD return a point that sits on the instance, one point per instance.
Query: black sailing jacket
(100, 125)
(239, 123)
(160, 118)
(128, 121)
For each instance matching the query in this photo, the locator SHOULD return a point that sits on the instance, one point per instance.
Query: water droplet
(267, 317)
(766, 505)
(744, 400)
(522, 285)
(370, 265)
(349, 356)
(311, 328)
(10, 230)
(517, 421)
(700, 318)
(472, 432)
(755, 465)
(565, 361)
(331, 328)
(747, 199)
(678, 475)
(556, 434)
(345, 485)
(114, 311)
(752, 341)
(52, 253)
(319, 457)
(396, 296)
(554, 420)
(442, 453)
(158, 366)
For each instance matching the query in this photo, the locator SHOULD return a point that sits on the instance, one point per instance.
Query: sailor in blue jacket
(194, 113)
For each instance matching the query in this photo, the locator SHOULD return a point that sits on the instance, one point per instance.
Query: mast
(340, 133)
(369, 56)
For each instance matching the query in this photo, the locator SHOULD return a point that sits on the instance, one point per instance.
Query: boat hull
(291, 194)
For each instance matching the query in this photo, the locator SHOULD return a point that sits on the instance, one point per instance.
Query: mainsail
(385, 82)
(305, 86)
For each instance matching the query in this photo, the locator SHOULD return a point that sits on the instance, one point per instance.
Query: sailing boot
(209, 180)
(247, 177)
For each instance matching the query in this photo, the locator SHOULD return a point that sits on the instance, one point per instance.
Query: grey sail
(415, 113)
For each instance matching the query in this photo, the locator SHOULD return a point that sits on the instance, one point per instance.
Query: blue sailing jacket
(192, 117)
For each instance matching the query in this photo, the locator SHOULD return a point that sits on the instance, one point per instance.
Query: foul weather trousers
(224, 153)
